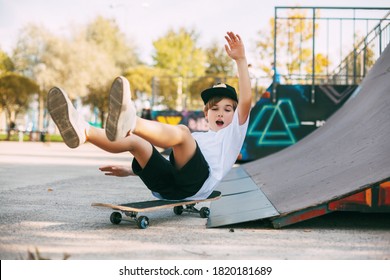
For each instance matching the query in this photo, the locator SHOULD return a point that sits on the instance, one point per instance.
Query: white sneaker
(71, 125)
(121, 110)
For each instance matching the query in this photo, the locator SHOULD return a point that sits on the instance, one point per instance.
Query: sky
(144, 21)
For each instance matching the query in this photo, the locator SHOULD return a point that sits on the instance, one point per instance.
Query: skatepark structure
(343, 165)
(348, 158)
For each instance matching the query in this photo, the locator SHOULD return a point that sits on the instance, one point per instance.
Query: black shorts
(160, 175)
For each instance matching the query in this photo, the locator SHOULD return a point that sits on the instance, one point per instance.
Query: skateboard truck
(142, 221)
(204, 212)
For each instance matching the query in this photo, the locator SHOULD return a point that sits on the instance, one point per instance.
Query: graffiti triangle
(273, 124)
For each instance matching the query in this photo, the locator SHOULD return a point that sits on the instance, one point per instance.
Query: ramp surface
(350, 153)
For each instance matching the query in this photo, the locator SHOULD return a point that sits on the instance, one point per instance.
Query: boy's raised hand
(235, 47)
(236, 51)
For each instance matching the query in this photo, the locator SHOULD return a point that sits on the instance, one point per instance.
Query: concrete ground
(46, 191)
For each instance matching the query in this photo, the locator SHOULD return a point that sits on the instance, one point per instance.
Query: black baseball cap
(219, 90)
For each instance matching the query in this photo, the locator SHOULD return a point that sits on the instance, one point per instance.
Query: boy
(198, 161)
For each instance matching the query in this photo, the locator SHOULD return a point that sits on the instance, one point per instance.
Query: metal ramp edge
(241, 201)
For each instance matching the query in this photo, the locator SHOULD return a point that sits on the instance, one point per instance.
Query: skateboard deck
(179, 206)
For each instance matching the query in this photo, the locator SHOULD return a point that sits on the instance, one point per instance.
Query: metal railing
(352, 67)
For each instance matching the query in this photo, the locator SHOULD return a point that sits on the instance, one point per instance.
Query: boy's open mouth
(219, 123)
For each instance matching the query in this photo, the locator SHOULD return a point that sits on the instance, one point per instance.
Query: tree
(86, 62)
(178, 53)
(105, 34)
(6, 64)
(97, 98)
(220, 69)
(218, 62)
(112, 55)
(39, 55)
(158, 84)
(140, 78)
(15, 95)
(73, 63)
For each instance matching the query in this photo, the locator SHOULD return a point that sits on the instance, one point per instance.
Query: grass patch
(32, 137)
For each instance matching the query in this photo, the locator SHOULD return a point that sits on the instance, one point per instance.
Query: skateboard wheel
(143, 222)
(116, 218)
(178, 210)
(204, 212)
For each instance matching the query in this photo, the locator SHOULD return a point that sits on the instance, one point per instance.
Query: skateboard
(132, 209)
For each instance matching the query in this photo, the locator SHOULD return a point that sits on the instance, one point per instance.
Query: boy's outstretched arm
(236, 50)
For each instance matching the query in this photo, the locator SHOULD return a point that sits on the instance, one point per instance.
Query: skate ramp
(350, 153)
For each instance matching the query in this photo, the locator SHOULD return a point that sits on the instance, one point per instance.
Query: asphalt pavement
(46, 191)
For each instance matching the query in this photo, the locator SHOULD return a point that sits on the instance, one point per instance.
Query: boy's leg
(122, 120)
(138, 147)
(162, 135)
(76, 131)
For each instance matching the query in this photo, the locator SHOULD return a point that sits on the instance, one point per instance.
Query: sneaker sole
(114, 108)
(59, 111)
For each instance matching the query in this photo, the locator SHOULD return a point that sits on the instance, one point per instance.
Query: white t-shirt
(220, 149)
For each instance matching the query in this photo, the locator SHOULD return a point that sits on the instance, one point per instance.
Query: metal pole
(354, 48)
(313, 59)
(380, 38)
(274, 78)
(179, 100)
(153, 92)
(327, 48)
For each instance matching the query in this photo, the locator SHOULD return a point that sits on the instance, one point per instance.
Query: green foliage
(178, 55)
(90, 57)
(109, 55)
(219, 67)
(97, 98)
(141, 78)
(15, 95)
(106, 35)
(218, 62)
(178, 52)
(6, 64)
(30, 48)
(84, 63)
(156, 83)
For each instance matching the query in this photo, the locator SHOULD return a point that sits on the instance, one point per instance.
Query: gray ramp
(241, 201)
(350, 153)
